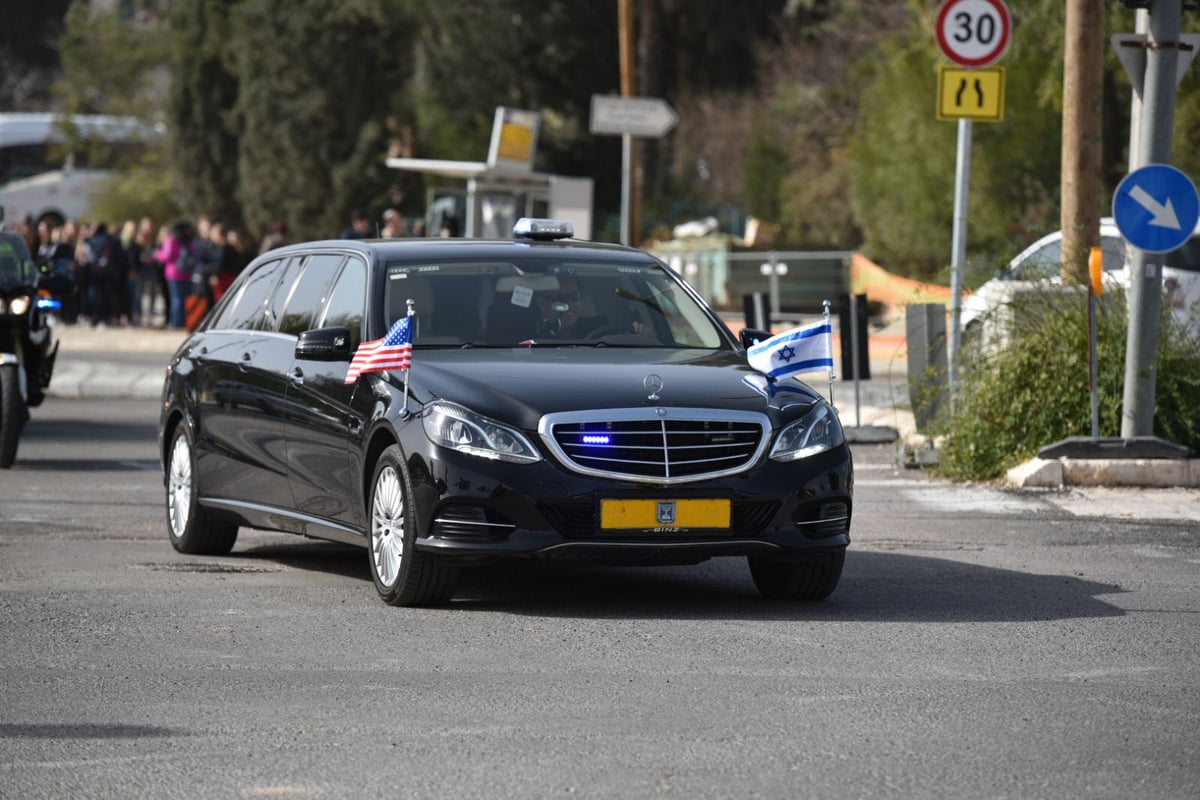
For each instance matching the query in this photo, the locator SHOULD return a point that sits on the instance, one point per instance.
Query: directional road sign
(974, 33)
(647, 117)
(975, 94)
(1156, 208)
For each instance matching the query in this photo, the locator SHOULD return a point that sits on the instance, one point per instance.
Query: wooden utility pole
(626, 34)
(1082, 153)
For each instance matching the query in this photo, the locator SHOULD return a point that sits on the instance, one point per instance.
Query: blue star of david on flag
(808, 348)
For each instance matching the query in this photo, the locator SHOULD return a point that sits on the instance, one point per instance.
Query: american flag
(393, 351)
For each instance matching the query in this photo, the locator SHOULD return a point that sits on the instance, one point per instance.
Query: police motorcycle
(28, 345)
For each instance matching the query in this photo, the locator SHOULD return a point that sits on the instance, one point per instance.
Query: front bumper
(474, 510)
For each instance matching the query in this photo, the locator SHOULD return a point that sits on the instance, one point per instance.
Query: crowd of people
(154, 275)
(142, 273)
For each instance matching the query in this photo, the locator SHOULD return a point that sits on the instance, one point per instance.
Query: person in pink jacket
(178, 259)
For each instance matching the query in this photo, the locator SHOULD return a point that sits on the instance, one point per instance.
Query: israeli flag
(808, 348)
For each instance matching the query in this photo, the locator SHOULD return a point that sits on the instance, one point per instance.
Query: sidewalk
(112, 363)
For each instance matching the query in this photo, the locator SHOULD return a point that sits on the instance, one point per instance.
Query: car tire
(403, 576)
(191, 528)
(812, 578)
(12, 415)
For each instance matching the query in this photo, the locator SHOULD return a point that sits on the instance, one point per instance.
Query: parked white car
(1041, 262)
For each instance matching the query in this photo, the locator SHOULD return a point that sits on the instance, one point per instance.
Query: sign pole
(973, 34)
(958, 255)
(1145, 288)
(626, 184)
(627, 117)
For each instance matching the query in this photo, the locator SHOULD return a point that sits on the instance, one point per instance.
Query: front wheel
(813, 578)
(403, 576)
(191, 528)
(12, 414)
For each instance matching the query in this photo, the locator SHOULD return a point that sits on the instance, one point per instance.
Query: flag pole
(404, 408)
(829, 349)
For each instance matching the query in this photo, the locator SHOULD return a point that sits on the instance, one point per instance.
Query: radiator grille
(638, 444)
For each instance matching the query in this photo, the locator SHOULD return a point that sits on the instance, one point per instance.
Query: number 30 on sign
(974, 33)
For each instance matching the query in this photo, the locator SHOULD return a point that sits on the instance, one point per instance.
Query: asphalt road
(983, 643)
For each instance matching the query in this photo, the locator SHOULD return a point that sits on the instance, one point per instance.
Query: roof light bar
(543, 229)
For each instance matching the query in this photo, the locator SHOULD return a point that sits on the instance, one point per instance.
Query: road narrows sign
(974, 33)
(974, 94)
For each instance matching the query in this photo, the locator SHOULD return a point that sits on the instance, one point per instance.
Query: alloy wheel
(179, 486)
(387, 527)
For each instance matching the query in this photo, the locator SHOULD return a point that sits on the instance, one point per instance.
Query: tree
(117, 64)
(524, 54)
(317, 81)
(903, 159)
(29, 58)
(203, 95)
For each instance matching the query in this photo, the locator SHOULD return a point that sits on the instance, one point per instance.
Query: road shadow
(85, 730)
(331, 558)
(875, 587)
(49, 428)
(86, 465)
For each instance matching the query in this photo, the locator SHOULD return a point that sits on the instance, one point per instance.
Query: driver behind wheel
(558, 310)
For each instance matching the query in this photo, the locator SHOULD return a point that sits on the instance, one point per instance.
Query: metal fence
(796, 281)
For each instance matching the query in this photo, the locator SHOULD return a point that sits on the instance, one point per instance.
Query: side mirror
(752, 336)
(324, 344)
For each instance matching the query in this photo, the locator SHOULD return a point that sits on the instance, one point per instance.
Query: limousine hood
(521, 385)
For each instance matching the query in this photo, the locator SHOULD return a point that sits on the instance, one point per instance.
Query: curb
(1161, 473)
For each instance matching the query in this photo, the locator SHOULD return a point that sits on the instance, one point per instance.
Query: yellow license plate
(645, 514)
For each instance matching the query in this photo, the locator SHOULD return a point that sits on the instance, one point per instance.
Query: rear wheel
(813, 578)
(12, 414)
(191, 528)
(403, 576)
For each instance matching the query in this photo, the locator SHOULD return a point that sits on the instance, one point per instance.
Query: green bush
(1015, 398)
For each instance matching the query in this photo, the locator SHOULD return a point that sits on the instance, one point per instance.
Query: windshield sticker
(522, 296)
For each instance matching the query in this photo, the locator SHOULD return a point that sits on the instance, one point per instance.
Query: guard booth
(479, 199)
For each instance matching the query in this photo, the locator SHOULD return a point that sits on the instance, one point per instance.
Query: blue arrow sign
(1156, 208)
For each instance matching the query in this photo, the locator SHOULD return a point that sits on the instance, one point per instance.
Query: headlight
(819, 430)
(19, 304)
(451, 426)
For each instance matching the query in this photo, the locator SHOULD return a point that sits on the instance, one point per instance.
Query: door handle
(297, 376)
(245, 362)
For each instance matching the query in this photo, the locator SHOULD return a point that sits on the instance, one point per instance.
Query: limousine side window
(247, 308)
(309, 292)
(279, 299)
(346, 301)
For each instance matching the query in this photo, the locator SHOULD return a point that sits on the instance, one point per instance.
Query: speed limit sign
(974, 33)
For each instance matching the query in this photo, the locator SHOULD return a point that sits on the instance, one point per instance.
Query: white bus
(40, 179)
